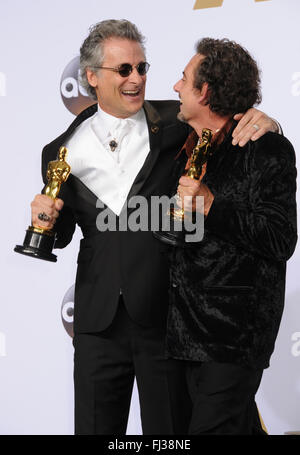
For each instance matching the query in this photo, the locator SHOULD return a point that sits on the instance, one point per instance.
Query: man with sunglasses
(119, 148)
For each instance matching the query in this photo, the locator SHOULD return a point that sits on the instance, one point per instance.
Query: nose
(176, 87)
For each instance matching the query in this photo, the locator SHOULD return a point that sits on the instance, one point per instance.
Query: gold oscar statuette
(177, 215)
(39, 241)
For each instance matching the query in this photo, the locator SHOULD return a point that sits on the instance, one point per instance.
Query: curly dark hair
(232, 75)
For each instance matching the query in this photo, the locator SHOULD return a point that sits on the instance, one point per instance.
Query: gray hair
(91, 51)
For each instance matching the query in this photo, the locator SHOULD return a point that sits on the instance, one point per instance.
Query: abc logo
(296, 345)
(67, 310)
(73, 95)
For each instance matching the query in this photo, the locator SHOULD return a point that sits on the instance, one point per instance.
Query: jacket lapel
(155, 131)
(53, 148)
(52, 154)
(82, 190)
(80, 118)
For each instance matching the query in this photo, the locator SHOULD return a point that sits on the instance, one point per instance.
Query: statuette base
(38, 244)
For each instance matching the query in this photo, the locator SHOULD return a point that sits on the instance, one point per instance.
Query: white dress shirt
(109, 174)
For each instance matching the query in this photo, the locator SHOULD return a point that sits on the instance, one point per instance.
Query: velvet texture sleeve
(266, 223)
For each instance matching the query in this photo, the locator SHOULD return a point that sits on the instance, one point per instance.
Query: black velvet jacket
(227, 291)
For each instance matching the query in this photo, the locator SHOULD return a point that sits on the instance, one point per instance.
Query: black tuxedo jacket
(228, 290)
(108, 262)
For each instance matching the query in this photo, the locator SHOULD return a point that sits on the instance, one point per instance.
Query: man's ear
(204, 94)
(91, 77)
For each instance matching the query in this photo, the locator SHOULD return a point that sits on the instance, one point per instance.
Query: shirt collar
(110, 123)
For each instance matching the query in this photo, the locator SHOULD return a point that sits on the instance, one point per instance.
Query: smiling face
(190, 97)
(119, 96)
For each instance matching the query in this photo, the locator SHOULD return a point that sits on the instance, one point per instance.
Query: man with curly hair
(227, 291)
(121, 147)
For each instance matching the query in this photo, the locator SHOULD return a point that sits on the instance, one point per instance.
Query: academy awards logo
(67, 310)
(74, 97)
(202, 4)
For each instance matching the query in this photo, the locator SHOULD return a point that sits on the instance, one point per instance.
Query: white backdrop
(38, 39)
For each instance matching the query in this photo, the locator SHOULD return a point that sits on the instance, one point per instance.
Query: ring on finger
(256, 127)
(44, 217)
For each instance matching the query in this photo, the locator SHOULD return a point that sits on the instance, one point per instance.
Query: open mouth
(131, 93)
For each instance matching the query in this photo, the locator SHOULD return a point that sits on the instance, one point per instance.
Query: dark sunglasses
(126, 68)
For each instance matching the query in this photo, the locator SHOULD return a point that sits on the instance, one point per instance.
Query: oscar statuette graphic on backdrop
(203, 4)
(39, 242)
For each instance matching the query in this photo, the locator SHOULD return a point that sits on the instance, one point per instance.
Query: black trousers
(105, 365)
(223, 397)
